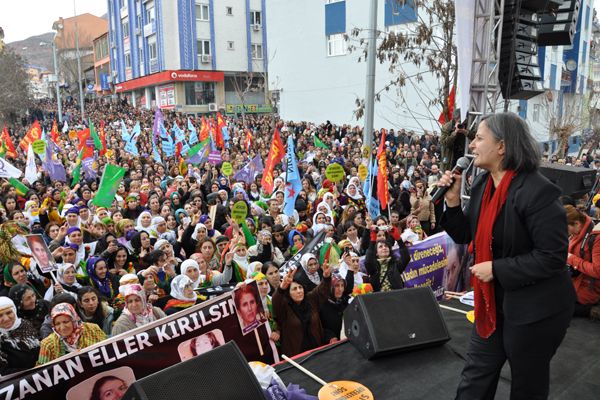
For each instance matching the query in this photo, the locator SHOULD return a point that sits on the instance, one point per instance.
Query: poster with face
(107, 385)
(200, 344)
(41, 253)
(249, 307)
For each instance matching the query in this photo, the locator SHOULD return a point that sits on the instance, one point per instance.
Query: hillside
(35, 54)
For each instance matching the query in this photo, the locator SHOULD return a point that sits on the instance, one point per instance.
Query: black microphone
(439, 192)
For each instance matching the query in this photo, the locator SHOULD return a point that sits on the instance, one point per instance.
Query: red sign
(170, 76)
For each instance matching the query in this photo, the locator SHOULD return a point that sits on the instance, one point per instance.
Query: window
(230, 45)
(202, 13)
(125, 28)
(127, 60)
(198, 93)
(140, 55)
(257, 53)
(229, 10)
(536, 113)
(150, 15)
(203, 47)
(255, 18)
(336, 45)
(138, 21)
(153, 51)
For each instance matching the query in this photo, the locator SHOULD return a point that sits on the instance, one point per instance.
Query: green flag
(94, 135)
(77, 170)
(111, 179)
(3, 150)
(197, 147)
(20, 187)
(318, 143)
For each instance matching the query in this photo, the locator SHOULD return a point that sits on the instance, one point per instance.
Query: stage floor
(434, 373)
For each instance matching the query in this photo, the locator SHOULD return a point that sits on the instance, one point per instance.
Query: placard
(335, 172)
(39, 146)
(362, 172)
(41, 253)
(239, 211)
(227, 168)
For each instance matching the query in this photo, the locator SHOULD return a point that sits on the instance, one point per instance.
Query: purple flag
(88, 169)
(55, 168)
(158, 122)
(250, 170)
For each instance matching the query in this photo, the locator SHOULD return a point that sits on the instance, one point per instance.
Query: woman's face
(63, 325)
(128, 226)
(296, 292)
(273, 276)
(312, 265)
(117, 217)
(171, 222)
(146, 220)
(488, 151)
(241, 251)
(193, 274)
(248, 308)
(208, 224)
(352, 190)
(7, 317)
(28, 300)
(113, 389)
(154, 204)
(203, 265)
(358, 219)
(321, 218)
(101, 269)
(168, 249)
(297, 240)
(121, 258)
(18, 217)
(351, 232)
(263, 288)
(165, 211)
(134, 304)
(19, 274)
(11, 204)
(383, 251)
(207, 250)
(575, 228)
(72, 219)
(338, 289)
(188, 291)
(69, 276)
(305, 185)
(203, 344)
(89, 303)
(76, 237)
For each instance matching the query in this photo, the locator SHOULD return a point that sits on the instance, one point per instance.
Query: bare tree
(564, 119)
(428, 44)
(67, 60)
(591, 135)
(14, 86)
(245, 83)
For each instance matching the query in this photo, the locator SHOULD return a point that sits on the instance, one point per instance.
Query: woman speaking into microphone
(517, 230)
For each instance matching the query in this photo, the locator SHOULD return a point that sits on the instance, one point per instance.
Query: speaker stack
(558, 28)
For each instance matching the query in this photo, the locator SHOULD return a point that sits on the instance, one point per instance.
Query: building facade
(102, 69)
(189, 55)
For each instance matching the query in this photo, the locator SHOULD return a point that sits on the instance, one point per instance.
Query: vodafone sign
(170, 76)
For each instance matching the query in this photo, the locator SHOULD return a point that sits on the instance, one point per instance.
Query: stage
(434, 373)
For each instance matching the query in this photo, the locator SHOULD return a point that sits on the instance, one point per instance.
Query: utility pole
(58, 101)
(78, 65)
(370, 89)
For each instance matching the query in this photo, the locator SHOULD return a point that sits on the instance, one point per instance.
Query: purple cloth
(73, 229)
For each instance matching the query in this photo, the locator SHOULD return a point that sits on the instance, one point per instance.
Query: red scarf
(485, 303)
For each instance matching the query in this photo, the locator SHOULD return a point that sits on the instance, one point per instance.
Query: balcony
(153, 65)
(150, 28)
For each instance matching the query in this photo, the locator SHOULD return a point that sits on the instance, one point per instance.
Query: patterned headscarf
(68, 310)
(147, 314)
(103, 285)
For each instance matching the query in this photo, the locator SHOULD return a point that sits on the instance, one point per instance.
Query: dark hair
(96, 395)
(98, 317)
(248, 289)
(213, 341)
(63, 298)
(522, 152)
(153, 257)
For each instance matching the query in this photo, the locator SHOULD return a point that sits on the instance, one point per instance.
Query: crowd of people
(169, 233)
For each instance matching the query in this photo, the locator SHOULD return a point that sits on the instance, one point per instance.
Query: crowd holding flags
(276, 154)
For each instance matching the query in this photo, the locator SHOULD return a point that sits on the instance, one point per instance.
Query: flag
(158, 122)
(197, 153)
(276, 154)
(131, 142)
(54, 166)
(330, 252)
(3, 150)
(293, 185)
(370, 188)
(84, 143)
(204, 132)
(218, 135)
(77, 170)
(318, 143)
(65, 128)
(193, 132)
(168, 145)
(7, 170)
(383, 194)
(10, 147)
(34, 133)
(155, 153)
(248, 140)
(18, 185)
(109, 183)
(102, 139)
(178, 133)
(54, 132)
(250, 170)
(95, 137)
(442, 119)
(124, 132)
(183, 168)
(87, 166)
(30, 169)
(222, 127)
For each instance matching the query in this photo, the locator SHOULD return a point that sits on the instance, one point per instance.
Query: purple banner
(214, 157)
(427, 264)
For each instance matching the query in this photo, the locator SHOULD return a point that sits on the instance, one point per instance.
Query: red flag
(383, 194)
(451, 99)
(276, 154)
(248, 140)
(204, 132)
(10, 147)
(54, 133)
(84, 138)
(219, 142)
(102, 135)
(35, 133)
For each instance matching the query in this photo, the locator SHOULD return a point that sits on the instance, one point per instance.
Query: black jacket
(532, 267)
(396, 267)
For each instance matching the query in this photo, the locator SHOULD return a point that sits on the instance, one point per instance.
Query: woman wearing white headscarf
(66, 276)
(137, 311)
(19, 341)
(182, 295)
(191, 269)
(144, 222)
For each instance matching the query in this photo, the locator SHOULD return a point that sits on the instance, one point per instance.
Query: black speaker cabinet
(378, 324)
(573, 181)
(222, 373)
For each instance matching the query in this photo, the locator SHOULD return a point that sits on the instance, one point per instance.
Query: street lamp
(58, 101)
(78, 64)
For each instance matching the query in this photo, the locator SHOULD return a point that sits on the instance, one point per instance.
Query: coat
(124, 323)
(396, 266)
(587, 282)
(532, 267)
(290, 325)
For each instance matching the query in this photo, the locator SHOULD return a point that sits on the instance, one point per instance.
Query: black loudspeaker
(222, 373)
(382, 323)
(573, 181)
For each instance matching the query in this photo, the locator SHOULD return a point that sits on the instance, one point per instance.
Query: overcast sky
(21, 19)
